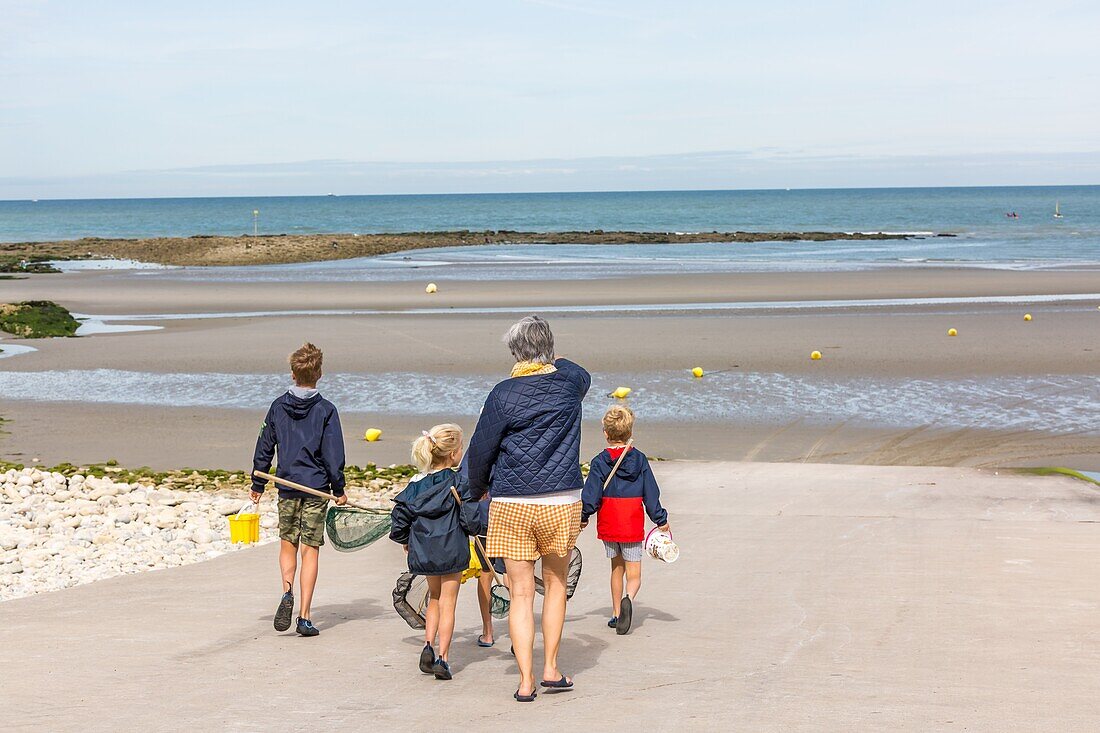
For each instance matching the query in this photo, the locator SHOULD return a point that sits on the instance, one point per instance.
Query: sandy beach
(394, 329)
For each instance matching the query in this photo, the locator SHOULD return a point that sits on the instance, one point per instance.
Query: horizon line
(550, 192)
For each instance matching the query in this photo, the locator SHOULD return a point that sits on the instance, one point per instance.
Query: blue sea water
(976, 215)
(1057, 404)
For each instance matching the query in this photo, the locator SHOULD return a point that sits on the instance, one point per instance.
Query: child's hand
(341, 500)
(255, 496)
(664, 527)
(584, 524)
(406, 549)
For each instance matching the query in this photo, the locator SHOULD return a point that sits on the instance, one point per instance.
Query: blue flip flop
(562, 684)
(481, 642)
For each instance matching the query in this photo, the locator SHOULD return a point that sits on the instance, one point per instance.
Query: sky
(120, 98)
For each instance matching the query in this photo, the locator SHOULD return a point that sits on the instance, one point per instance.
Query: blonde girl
(426, 520)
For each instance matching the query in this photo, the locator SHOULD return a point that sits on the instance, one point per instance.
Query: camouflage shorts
(303, 520)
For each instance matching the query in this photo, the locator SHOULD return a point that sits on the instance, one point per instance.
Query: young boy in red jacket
(620, 490)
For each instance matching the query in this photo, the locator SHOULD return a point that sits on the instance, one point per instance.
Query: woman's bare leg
(554, 572)
(521, 619)
(448, 599)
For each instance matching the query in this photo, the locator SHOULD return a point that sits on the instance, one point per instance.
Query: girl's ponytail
(422, 453)
(435, 446)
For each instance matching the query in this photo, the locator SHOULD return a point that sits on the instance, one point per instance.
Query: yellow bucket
(244, 528)
(474, 571)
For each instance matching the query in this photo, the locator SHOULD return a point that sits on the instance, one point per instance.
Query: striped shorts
(630, 551)
(529, 531)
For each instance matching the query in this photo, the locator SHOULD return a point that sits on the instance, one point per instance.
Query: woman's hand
(664, 528)
(341, 500)
(255, 496)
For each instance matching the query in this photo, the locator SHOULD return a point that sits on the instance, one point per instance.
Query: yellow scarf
(530, 368)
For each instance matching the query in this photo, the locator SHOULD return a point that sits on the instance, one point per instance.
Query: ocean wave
(1052, 403)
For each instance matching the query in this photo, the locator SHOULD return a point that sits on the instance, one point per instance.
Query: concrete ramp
(807, 598)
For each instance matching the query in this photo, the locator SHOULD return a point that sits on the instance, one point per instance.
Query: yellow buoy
(1027, 316)
(621, 392)
(952, 332)
(372, 435)
(431, 288)
(697, 372)
(815, 355)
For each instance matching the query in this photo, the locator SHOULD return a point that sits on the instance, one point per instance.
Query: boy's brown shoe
(284, 612)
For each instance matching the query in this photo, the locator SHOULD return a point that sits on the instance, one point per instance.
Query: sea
(984, 236)
(999, 227)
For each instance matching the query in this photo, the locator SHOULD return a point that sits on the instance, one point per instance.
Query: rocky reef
(34, 319)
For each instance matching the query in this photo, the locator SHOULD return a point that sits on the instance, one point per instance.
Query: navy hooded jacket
(527, 441)
(620, 506)
(307, 435)
(427, 518)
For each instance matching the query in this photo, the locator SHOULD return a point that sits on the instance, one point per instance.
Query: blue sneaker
(284, 612)
(613, 622)
(306, 627)
(441, 669)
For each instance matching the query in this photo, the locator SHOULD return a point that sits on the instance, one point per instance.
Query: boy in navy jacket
(305, 429)
(620, 502)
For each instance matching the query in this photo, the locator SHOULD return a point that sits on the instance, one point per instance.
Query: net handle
(306, 489)
(477, 541)
(615, 468)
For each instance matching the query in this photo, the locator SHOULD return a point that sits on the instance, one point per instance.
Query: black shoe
(284, 611)
(626, 610)
(441, 669)
(427, 659)
(613, 622)
(306, 627)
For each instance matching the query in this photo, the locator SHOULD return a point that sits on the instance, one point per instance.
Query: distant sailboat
(1057, 213)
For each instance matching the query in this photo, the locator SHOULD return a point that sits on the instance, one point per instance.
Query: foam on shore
(1053, 403)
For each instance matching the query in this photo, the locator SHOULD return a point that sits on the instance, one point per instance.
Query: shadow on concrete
(642, 612)
(332, 615)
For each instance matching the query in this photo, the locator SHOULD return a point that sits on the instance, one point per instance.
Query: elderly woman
(525, 452)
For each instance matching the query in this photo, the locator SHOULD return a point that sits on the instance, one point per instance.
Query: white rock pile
(58, 531)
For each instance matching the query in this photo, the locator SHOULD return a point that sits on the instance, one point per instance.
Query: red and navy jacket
(632, 491)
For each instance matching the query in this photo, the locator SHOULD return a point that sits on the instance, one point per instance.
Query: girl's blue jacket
(427, 518)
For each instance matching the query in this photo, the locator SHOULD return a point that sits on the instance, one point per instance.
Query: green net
(499, 601)
(576, 564)
(350, 529)
(410, 598)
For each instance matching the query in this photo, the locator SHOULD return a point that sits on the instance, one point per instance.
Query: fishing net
(572, 578)
(351, 528)
(499, 601)
(410, 598)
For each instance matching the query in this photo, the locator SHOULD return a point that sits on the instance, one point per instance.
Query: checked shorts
(519, 531)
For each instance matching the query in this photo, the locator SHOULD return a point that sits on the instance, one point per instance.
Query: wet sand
(891, 342)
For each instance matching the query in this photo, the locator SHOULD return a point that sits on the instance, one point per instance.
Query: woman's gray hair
(530, 339)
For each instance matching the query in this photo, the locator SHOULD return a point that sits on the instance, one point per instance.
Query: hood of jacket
(431, 496)
(298, 408)
(632, 466)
